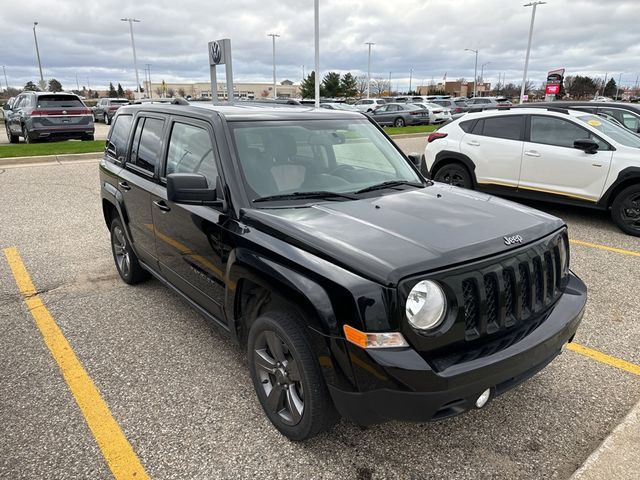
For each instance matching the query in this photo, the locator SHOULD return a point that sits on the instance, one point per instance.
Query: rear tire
(398, 122)
(625, 210)
(25, 134)
(106, 119)
(87, 138)
(454, 174)
(287, 377)
(125, 258)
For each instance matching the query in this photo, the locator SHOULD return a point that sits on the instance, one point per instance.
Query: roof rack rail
(558, 110)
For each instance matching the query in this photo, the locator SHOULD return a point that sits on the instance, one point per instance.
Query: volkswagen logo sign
(215, 53)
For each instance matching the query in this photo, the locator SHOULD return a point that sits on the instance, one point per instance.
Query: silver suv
(46, 116)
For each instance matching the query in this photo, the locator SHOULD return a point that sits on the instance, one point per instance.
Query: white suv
(555, 154)
(369, 104)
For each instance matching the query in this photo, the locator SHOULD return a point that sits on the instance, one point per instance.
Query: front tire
(13, 138)
(106, 119)
(454, 174)
(625, 210)
(125, 258)
(287, 378)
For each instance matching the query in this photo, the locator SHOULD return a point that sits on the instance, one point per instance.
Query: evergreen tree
(30, 87)
(308, 86)
(112, 91)
(120, 91)
(331, 85)
(610, 88)
(349, 85)
(55, 85)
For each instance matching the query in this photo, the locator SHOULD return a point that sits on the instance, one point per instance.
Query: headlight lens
(426, 305)
(564, 256)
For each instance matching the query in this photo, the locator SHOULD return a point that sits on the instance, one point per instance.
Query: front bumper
(418, 393)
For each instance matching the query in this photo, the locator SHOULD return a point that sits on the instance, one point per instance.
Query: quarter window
(191, 151)
(507, 127)
(555, 131)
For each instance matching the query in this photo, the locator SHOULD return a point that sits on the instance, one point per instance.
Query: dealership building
(202, 90)
(455, 89)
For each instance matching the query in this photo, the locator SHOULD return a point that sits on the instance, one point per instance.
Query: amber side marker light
(374, 340)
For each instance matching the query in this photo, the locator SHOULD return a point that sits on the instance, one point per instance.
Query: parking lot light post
(369, 68)
(149, 74)
(6, 82)
(273, 36)
(35, 37)
(133, 46)
(618, 87)
(475, 71)
(316, 28)
(410, 78)
(526, 60)
(482, 72)
(389, 83)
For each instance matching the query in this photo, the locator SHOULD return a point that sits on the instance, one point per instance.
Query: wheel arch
(447, 157)
(627, 177)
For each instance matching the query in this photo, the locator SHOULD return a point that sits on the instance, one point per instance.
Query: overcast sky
(591, 37)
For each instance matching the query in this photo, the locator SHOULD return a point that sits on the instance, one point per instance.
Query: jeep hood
(392, 236)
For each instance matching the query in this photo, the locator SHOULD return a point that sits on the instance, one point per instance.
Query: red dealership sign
(552, 89)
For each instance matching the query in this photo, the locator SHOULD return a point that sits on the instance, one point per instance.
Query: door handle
(161, 205)
(473, 143)
(531, 153)
(124, 185)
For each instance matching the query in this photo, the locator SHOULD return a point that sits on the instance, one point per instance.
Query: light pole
(618, 86)
(273, 36)
(482, 71)
(148, 65)
(369, 68)
(475, 70)
(133, 46)
(410, 79)
(526, 60)
(35, 37)
(316, 30)
(389, 83)
(6, 82)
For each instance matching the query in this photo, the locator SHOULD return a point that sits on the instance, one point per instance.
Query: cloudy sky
(88, 39)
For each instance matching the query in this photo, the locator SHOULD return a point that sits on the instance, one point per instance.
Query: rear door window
(508, 127)
(145, 150)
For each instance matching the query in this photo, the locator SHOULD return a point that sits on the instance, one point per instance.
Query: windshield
(617, 133)
(330, 156)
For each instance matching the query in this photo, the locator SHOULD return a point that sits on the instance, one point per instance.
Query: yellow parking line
(604, 358)
(116, 449)
(604, 247)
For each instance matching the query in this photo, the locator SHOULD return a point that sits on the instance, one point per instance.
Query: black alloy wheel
(399, 122)
(287, 378)
(454, 174)
(625, 210)
(11, 136)
(125, 258)
(25, 134)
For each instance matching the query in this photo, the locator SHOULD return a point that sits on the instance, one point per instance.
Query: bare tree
(379, 86)
(361, 85)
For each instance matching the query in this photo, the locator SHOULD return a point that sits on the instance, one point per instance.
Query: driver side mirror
(6, 106)
(588, 145)
(190, 189)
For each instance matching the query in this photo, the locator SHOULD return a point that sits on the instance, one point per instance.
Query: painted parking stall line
(605, 248)
(116, 449)
(604, 358)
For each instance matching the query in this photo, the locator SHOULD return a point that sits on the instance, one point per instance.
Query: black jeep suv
(358, 287)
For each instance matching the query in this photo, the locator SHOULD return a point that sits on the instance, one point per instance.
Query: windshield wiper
(389, 183)
(302, 195)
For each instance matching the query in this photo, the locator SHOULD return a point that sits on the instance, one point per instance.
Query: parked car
(338, 106)
(564, 156)
(627, 114)
(437, 114)
(106, 108)
(357, 287)
(456, 107)
(369, 104)
(477, 104)
(400, 115)
(48, 116)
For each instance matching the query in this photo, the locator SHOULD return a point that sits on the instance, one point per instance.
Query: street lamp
(316, 42)
(482, 72)
(148, 65)
(35, 37)
(526, 61)
(133, 46)
(410, 78)
(475, 70)
(369, 68)
(273, 36)
(6, 82)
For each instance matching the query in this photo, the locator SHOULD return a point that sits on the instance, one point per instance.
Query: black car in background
(626, 114)
(357, 286)
(48, 116)
(106, 108)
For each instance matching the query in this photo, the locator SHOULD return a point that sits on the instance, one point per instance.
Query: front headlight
(564, 256)
(426, 305)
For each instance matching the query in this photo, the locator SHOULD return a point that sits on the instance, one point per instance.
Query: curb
(49, 159)
(617, 457)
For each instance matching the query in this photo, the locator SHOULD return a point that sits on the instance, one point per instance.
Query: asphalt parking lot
(182, 396)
